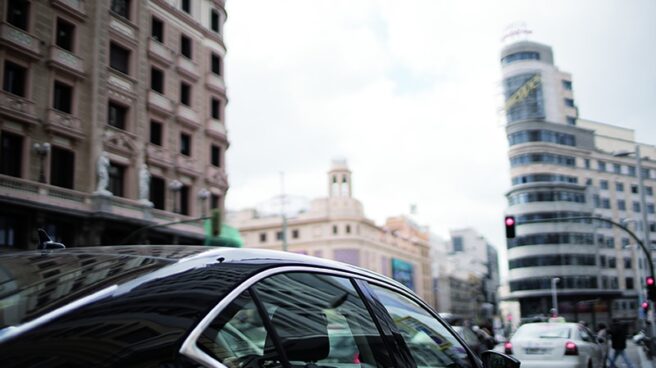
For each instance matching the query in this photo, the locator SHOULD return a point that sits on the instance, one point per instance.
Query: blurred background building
(111, 118)
(335, 227)
(564, 166)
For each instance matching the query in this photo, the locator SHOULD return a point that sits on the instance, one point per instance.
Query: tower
(339, 179)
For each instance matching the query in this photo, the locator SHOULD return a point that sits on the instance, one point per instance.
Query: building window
(121, 7)
(215, 105)
(621, 205)
(116, 179)
(348, 229)
(294, 234)
(619, 186)
(119, 58)
(185, 94)
(617, 168)
(65, 34)
(335, 229)
(62, 167)
(215, 201)
(649, 191)
(605, 203)
(15, 79)
(186, 6)
(185, 144)
(185, 46)
(184, 200)
(278, 235)
(157, 80)
(587, 163)
(636, 206)
(215, 155)
(650, 208)
(117, 115)
(157, 29)
(601, 166)
(263, 237)
(62, 98)
(632, 170)
(216, 64)
(629, 283)
(569, 102)
(11, 154)
(567, 85)
(458, 245)
(603, 184)
(156, 132)
(214, 21)
(634, 189)
(571, 120)
(18, 13)
(158, 192)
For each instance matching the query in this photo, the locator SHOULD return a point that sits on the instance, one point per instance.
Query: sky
(409, 93)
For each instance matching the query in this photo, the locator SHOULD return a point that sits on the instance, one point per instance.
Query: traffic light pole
(633, 235)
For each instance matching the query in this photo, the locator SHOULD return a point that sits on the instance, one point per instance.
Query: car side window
(236, 338)
(429, 341)
(585, 335)
(321, 319)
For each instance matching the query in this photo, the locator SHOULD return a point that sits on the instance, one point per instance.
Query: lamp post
(42, 150)
(175, 187)
(203, 194)
(554, 296)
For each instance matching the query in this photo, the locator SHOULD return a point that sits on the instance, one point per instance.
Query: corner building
(565, 166)
(111, 118)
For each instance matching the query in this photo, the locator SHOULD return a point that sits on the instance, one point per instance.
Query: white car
(563, 345)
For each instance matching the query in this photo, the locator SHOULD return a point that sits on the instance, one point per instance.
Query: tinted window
(430, 343)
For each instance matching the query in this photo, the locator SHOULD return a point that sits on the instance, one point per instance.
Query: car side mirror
(601, 340)
(494, 359)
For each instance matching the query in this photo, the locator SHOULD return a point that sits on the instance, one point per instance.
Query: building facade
(335, 227)
(112, 117)
(565, 166)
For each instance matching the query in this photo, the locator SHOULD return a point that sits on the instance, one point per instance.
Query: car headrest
(303, 333)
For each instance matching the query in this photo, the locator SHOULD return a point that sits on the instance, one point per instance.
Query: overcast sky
(409, 93)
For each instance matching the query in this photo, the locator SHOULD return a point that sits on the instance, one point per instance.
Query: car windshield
(34, 284)
(543, 331)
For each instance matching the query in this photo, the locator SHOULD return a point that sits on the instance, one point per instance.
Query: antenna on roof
(45, 242)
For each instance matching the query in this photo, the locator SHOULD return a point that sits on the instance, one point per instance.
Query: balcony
(76, 8)
(188, 67)
(160, 102)
(187, 165)
(66, 60)
(159, 51)
(215, 83)
(123, 28)
(158, 155)
(17, 107)
(64, 124)
(121, 82)
(20, 40)
(216, 129)
(187, 116)
(216, 176)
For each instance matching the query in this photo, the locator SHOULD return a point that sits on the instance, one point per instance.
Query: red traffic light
(650, 281)
(510, 221)
(510, 226)
(645, 305)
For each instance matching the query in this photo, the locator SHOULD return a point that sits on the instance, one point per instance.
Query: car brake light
(571, 349)
(507, 347)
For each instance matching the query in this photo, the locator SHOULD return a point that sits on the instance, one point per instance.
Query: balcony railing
(17, 106)
(215, 82)
(160, 51)
(216, 129)
(159, 155)
(123, 28)
(75, 7)
(21, 39)
(188, 116)
(66, 60)
(188, 67)
(160, 102)
(121, 82)
(64, 123)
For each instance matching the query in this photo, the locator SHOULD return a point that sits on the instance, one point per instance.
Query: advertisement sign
(403, 272)
(524, 97)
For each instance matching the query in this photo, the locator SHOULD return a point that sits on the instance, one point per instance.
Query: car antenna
(45, 242)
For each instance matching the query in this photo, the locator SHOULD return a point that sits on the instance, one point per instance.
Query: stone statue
(144, 183)
(102, 169)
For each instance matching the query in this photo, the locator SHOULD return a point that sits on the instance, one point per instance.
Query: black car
(175, 306)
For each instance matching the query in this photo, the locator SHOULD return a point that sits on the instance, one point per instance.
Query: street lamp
(554, 296)
(203, 194)
(175, 187)
(42, 150)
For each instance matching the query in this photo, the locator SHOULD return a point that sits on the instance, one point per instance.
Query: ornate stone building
(111, 118)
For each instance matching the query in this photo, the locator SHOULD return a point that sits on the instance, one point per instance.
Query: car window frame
(189, 348)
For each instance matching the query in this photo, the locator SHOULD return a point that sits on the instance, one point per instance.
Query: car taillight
(507, 347)
(571, 349)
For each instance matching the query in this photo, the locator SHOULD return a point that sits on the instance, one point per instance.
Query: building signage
(523, 91)
(403, 272)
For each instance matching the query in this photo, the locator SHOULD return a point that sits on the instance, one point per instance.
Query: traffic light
(510, 227)
(651, 288)
(216, 223)
(645, 306)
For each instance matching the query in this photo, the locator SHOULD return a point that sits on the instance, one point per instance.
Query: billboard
(524, 97)
(403, 272)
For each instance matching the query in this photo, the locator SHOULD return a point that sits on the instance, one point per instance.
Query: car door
(589, 346)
